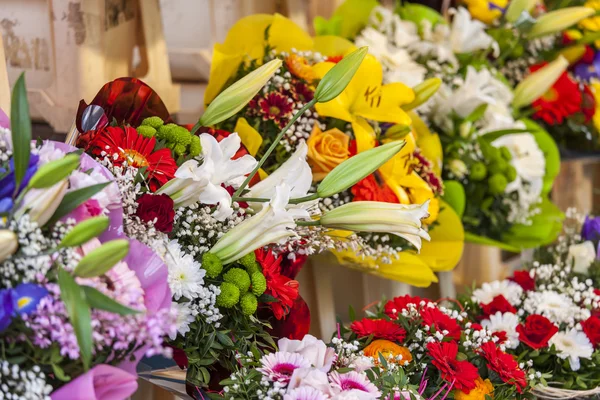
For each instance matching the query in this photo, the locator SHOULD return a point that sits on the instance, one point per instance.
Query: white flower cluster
(18, 384)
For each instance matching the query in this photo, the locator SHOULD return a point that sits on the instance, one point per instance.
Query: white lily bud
(559, 20)
(8, 244)
(41, 204)
(539, 82)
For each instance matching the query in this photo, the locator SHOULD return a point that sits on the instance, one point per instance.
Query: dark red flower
(137, 151)
(295, 325)
(462, 373)
(591, 327)
(291, 267)
(398, 304)
(536, 331)
(282, 288)
(505, 365)
(158, 208)
(498, 304)
(276, 107)
(523, 279)
(302, 92)
(434, 318)
(379, 328)
(588, 103)
(563, 99)
(373, 188)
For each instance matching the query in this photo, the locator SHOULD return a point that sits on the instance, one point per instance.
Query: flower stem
(250, 199)
(312, 196)
(314, 222)
(274, 145)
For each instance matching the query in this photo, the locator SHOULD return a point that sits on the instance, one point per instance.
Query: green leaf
(337, 78)
(79, 314)
(454, 195)
(101, 259)
(353, 16)
(100, 301)
(74, 199)
(417, 13)
(85, 231)
(477, 113)
(224, 339)
(544, 229)
(59, 373)
(473, 238)
(20, 124)
(333, 26)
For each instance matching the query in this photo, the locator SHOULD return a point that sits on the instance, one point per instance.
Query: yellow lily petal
(249, 136)
(331, 46)
(384, 104)
(364, 135)
(285, 35)
(445, 249)
(222, 67)
(262, 174)
(428, 142)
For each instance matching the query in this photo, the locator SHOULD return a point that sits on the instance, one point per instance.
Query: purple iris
(8, 304)
(29, 296)
(591, 228)
(587, 72)
(7, 183)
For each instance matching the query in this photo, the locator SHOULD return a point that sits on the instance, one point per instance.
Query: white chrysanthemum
(510, 290)
(506, 323)
(186, 314)
(468, 34)
(186, 276)
(573, 345)
(557, 307)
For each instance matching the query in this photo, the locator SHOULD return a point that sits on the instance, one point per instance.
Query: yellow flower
(300, 67)
(387, 349)
(486, 11)
(481, 389)
(326, 150)
(595, 86)
(592, 23)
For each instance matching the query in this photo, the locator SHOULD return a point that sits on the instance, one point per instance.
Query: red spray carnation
(462, 373)
(498, 304)
(591, 327)
(560, 101)
(523, 279)
(379, 328)
(433, 317)
(158, 208)
(504, 365)
(282, 288)
(400, 303)
(373, 188)
(536, 331)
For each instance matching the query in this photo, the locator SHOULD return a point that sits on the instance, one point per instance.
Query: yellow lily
(486, 11)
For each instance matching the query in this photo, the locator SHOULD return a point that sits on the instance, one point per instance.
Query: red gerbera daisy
(400, 303)
(462, 373)
(125, 144)
(373, 188)
(282, 288)
(504, 365)
(433, 317)
(276, 107)
(560, 101)
(379, 328)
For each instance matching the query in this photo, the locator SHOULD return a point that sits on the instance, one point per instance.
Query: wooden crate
(70, 48)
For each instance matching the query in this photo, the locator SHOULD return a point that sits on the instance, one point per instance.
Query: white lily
(272, 224)
(374, 216)
(41, 204)
(9, 243)
(202, 182)
(468, 35)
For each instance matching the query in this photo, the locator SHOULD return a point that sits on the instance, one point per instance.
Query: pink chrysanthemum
(281, 365)
(353, 381)
(305, 393)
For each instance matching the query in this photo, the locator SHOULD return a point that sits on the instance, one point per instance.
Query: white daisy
(506, 323)
(573, 345)
(186, 276)
(510, 290)
(185, 316)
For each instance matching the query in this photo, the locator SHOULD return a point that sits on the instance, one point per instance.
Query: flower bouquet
(498, 166)
(367, 114)
(81, 301)
(548, 313)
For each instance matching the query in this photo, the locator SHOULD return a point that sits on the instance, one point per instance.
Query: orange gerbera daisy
(387, 349)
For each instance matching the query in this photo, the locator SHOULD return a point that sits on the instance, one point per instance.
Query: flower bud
(85, 231)
(101, 259)
(559, 20)
(236, 96)
(54, 171)
(9, 244)
(335, 81)
(516, 8)
(423, 92)
(539, 82)
(42, 203)
(358, 167)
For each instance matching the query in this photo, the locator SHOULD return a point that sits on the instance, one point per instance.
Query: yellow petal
(384, 103)
(222, 67)
(331, 46)
(364, 135)
(428, 142)
(262, 174)
(249, 136)
(285, 35)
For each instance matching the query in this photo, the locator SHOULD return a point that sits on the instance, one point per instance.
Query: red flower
(158, 208)
(282, 288)
(523, 279)
(462, 373)
(291, 267)
(560, 101)
(588, 103)
(335, 59)
(302, 92)
(276, 107)
(379, 328)
(400, 303)
(591, 327)
(499, 303)
(433, 317)
(138, 151)
(373, 188)
(537, 331)
(504, 365)
(296, 324)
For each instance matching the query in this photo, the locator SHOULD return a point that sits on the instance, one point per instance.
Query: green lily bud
(539, 82)
(335, 81)
(9, 244)
(516, 8)
(358, 167)
(85, 231)
(53, 172)
(100, 260)
(559, 20)
(236, 96)
(423, 92)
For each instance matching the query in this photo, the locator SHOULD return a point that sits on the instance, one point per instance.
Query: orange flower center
(551, 95)
(274, 110)
(135, 158)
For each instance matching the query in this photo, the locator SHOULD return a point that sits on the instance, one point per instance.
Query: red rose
(591, 327)
(498, 304)
(158, 208)
(523, 279)
(536, 331)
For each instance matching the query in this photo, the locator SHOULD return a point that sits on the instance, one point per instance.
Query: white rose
(582, 255)
(311, 348)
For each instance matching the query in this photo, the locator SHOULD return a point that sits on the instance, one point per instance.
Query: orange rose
(481, 389)
(326, 150)
(387, 349)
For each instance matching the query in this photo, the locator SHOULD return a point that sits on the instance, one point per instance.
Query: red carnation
(537, 331)
(504, 365)
(282, 288)
(433, 317)
(562, 100)
(498, 304)
(462, 373)
(400, 303)
(379, 328)
(373, 188)
(591, 327)
(157, 208)
(523, 279)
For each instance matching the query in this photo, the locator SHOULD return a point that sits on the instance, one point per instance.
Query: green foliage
(21, 129)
